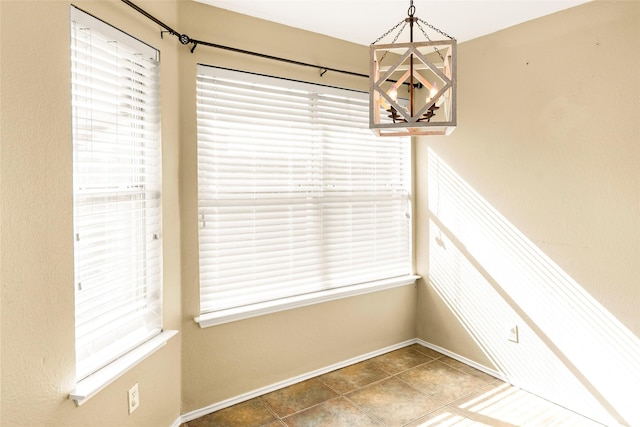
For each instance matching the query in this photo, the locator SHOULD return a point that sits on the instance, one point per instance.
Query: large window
(297, 197)
(116, 193)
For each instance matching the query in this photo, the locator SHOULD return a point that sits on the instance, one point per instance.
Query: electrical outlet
(512, 332)
(134, 398)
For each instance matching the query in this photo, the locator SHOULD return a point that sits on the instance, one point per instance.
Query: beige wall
(38, 360)
(226, 361)
(37, 314)
(533, 205)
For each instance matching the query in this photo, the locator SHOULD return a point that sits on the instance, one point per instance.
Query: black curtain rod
(185, 39)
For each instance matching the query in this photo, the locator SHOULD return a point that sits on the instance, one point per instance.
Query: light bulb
(383, 103)
(432, 92)
(393, 93)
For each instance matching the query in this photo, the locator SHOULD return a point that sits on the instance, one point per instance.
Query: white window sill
(239, 313)
(90, 386)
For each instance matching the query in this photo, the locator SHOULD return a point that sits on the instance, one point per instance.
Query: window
(116, 193)
(297, 197)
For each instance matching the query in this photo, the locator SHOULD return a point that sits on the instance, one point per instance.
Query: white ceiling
(363, 21)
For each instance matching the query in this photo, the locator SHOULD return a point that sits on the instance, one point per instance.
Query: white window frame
(116, 202)
(215, 127)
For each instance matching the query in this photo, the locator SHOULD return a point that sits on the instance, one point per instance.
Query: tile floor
(412, 387)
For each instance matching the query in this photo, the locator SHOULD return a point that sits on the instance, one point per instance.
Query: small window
(296, 195)
(116, 193)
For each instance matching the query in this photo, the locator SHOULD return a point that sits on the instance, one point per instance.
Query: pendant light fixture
(412, 86)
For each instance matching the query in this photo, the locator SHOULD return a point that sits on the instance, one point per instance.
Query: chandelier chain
(417, 20)
(404, 24)
(435, 48)
(390, 31)
(434, 29)
(393, 42)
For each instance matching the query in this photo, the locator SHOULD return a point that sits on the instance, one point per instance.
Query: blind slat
(295, 194)
(116, 203)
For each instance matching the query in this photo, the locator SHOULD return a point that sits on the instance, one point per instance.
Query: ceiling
(363, 21)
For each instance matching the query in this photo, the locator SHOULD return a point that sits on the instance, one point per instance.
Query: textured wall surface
(38, 351)
(529, 213)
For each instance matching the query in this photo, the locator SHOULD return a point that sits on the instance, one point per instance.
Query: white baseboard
(462, 359)
(189, 416)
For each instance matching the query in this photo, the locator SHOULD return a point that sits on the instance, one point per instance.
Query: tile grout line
(390, 375)
(266, 405)
(344, 394)
(431, 356)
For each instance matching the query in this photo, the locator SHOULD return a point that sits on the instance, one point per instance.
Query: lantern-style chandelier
(412, 86)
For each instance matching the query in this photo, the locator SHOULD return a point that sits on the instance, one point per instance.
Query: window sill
(239, 313)
(90, 386)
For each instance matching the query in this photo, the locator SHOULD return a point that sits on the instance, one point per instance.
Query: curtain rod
(185, 40)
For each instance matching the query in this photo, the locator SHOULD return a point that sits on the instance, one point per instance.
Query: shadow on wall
(570, 349)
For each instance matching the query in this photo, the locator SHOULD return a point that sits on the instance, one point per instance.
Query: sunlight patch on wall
(570, 349)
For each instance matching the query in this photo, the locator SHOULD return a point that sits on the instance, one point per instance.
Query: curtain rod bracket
(185, 40)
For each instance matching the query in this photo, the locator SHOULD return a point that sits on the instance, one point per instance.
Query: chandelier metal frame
(427, 69)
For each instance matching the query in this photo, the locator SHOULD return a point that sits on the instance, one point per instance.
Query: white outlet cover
(134, 398)
(512, 332)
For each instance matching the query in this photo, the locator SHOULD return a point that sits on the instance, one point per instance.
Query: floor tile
(466, 368)
(401, 360)
(413, 385)
(353, 377)
(426, 351)
(298, 397)
(441, 381)
(333, 413)
(252, 413)
(504, 405)
(445, 417)
(394, 402)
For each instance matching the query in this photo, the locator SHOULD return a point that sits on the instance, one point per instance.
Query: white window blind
(116, 192)
(296, 194)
